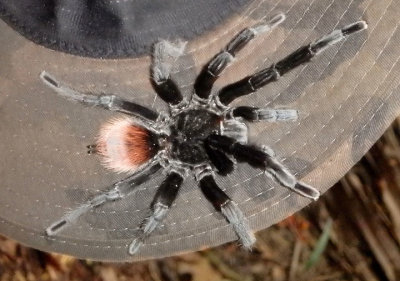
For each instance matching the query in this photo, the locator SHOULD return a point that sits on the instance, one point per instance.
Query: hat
(58, 56)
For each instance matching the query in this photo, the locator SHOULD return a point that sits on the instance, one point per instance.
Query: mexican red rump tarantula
(200, 136)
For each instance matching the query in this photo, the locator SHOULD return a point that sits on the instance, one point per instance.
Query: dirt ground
(352, 233)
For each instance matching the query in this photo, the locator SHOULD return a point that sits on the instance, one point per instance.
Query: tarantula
(200, 136)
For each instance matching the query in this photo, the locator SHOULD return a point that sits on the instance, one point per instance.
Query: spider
(200, 135)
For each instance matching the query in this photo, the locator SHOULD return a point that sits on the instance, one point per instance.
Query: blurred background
(351, 233)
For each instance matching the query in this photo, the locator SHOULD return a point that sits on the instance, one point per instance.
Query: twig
(224, 269)
(295, 259)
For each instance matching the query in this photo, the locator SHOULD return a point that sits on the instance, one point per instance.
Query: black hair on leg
(229, 209)
(211, 71)
(220, 160)
(302, 55)
(164, 54)
(168, 91)
(109, 102)
(160, 206)
(265, 160)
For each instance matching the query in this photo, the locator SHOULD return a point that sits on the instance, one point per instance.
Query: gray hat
(345, 98)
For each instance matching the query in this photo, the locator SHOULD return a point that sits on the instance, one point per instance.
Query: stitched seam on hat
(250, 198)
(323, 96)
(303, 43)
(302, 169)
(274, 204)
(367, 101)
(357, 85)
(60, 241)
(334, 85)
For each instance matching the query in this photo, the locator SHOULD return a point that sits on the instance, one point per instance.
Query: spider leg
(211, 71)
(118, 190)
(164, 54)
(263, 159)
(162, 202)
(109, 102)
(302, 55)
(228, 209)
(254, 114)
(219, 159)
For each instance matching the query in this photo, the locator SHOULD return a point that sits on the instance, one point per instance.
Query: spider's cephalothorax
(189, 130)
(200, 136)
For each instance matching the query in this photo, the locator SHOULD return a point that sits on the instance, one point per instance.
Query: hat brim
(346, 97)
(113, 29)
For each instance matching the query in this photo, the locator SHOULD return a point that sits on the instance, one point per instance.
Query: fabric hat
(346, 97)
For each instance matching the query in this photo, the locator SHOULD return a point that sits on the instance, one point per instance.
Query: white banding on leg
(106, 101)
(150, 224)
(67, 92)
(287, 179)
(219, 63)
(274, 115)
(73, 215)
(164, 55)
(234, 129)
(267, 26)
(239, 223)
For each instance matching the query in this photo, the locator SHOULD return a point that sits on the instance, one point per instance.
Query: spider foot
(135, 246)
(56, 227)
(336, 36)
(287, 179)
(148, 226)
(229, 209)
(307, 191)
(239, 223)
(160, 206)
(164, 49)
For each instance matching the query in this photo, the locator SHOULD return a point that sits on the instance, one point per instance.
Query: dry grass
(363, 240)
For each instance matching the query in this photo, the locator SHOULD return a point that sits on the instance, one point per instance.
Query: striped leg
(109, 102)
(302, 55)
(211, 71)
(160, 206)
(254, 114)
(228, 209)
(263, 159)
(164, 55)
